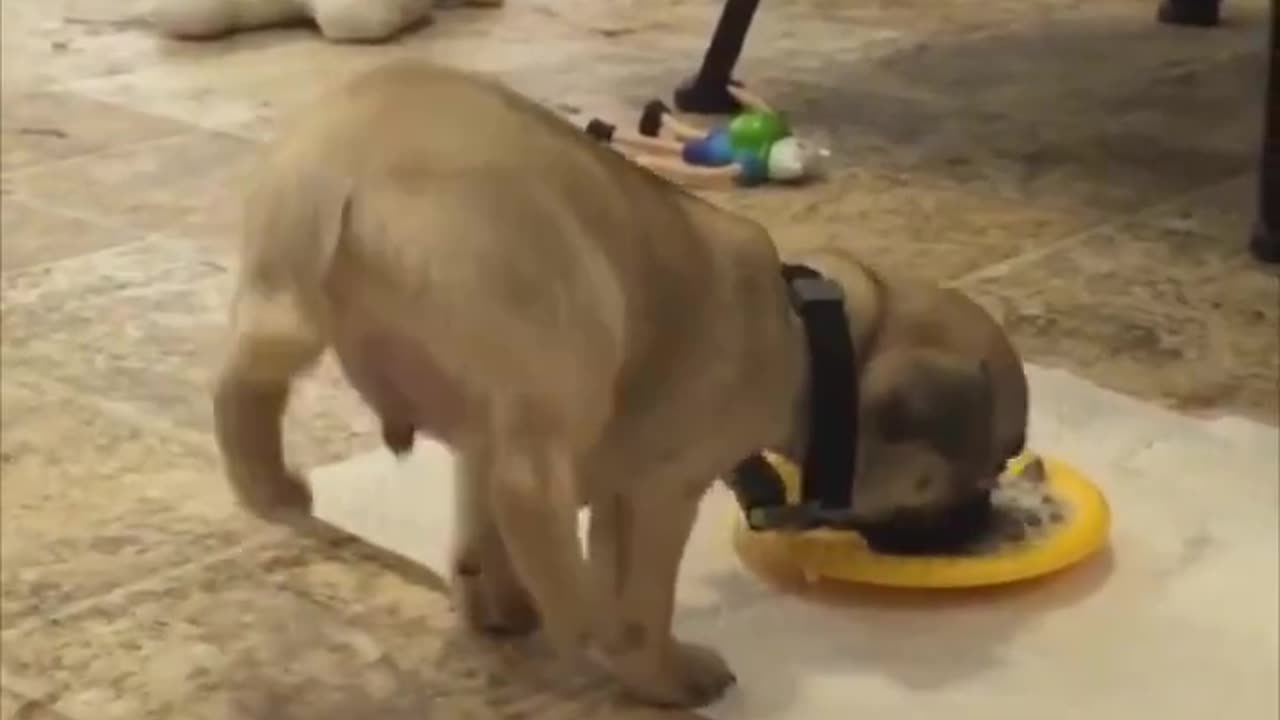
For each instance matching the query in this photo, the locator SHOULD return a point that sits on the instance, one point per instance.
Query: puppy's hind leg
(293, 223)
(533, 488)
(486, 590)
(272, 341)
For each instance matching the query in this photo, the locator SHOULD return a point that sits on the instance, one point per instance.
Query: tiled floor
(1083, 171)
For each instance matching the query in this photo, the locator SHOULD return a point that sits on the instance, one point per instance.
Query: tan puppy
(581, 333)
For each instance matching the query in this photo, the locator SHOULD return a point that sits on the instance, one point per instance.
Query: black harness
(831, 458)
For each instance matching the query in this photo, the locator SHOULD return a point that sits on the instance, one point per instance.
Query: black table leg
(1201, 13)
(1265, 242)
(707, 92)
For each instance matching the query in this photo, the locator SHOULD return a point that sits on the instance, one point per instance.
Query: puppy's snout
(942, 530)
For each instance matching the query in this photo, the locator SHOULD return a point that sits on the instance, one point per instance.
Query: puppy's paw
(492, 602)
(286, 501)
(689, 676)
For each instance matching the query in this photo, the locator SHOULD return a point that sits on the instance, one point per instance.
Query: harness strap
(831, 457)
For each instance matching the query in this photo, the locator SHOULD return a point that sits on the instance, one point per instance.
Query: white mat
(1180, 624)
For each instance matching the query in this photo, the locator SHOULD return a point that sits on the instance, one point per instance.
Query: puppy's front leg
(636, 544)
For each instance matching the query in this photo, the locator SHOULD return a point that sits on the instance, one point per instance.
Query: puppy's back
(409, 116)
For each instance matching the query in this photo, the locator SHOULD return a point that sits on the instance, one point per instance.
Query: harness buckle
(807, 290)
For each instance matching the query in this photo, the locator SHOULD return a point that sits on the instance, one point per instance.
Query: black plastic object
(708, 92)
(1197, 13)
(600, 130)
(756, 484)
(398, 437)
(651, 119)
(1265, 243)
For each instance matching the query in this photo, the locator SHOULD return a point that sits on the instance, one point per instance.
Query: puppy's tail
(292, 231)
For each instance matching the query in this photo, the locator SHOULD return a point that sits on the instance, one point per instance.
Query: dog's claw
(287, 502)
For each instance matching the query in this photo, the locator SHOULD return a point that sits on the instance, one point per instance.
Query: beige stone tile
(48, 44)
(33, 298)
(1042, 112)
(291, 629)
(1217, 103)
(880, 125)
(41, 127)
(247, 92)
(1156, 307)
(93, 500)
(1097, 168)
(30, 235)
(150, 187)
(242, 93)
(144, 325)
(1067, 65)
(624, 19)
(15, 706)
(623, 76)
(1223, 213)
(41, 47)
(214, 227)
(327, 421)
(832, 19)
(890, 222)
(643, 52)
(946, 19)
(266, 634)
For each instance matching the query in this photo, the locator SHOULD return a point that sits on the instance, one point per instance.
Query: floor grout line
(258, 538)
(1002, 267)
(265, 536)
(90, 154)
(127, 412)
(115, 408)
(91, 218)
(158, 237)
(191, 130)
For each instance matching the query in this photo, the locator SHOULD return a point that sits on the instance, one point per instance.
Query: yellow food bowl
(843, 556)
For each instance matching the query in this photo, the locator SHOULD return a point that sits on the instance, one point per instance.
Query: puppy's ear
(935, 399)
(1035, 471)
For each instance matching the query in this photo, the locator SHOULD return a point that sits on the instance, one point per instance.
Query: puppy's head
(937, 429)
